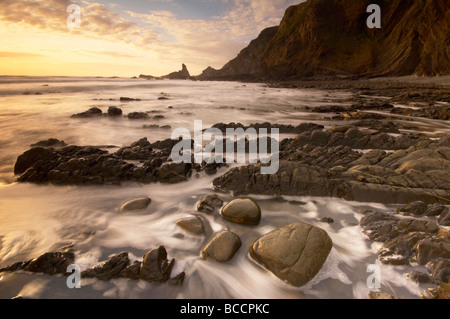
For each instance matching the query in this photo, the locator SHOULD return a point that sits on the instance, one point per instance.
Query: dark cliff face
(330, 37)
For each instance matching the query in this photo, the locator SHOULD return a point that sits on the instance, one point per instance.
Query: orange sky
(121, 38)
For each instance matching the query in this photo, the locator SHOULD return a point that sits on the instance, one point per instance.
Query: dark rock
(114, 111)
(138, 116)
(222, 247)
(440, 270)
(242, 211)
(418, 208)
(430, 249)
(48, 263)
(327, 220)
(92, 112)
(294, 253)
(444, 220)
(132, 271)
(136, 204)
(50, 143)
(209, 203)
(174, 173)
(420, 277)
(30, 157)
(110, 269)
(163, 98)
(375, 295)
(156, 268)
(436, 210)
(128, 99)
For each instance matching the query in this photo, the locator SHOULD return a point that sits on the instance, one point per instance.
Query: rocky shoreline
(371, 155)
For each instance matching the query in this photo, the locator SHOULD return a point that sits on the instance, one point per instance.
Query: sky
(128, 37)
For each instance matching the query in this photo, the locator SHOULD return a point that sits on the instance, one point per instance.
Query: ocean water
(35, 219)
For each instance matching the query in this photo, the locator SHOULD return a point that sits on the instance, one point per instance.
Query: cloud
(7, 54)
(162, 34)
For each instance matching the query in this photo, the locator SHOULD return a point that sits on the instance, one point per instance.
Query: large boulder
(30, 157)
(294, 253)
(193, 225)
(242, 211)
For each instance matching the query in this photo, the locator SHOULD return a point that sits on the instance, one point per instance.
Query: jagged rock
(294, 253)
(178, 280)
(156, 268)
(242, 211)
(48, 263)
(174, 173)
(430, 249)
(416, 208)
(128, 99)
(109, 269)
(209, 203)
(222, 247)
(132, 271)
(136, 204)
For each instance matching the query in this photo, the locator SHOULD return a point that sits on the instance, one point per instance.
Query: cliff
(331, 37)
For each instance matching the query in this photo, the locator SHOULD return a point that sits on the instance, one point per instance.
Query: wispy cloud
(158, 33)
(7, 54)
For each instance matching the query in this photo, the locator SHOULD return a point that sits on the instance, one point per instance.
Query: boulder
(114, 111)
(156, 268)
(242, 211)
(294, 253)
(222, 247)
(193, 225)
(30, 157)
(136, 204)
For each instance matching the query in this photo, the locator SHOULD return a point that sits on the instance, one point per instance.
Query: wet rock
(418, 208)
(327, 220)
(156, 268)
(30, 157)
(420, 277)
(174, 173)
(128, 99)
(436, 210)
(138, 116)
(430, 249)
(294, 253)
(92, 112)
(50, 143)
(444, 220)
(114, 111)
(440, 270)
(193, 225)
(110, 269)
(132, 271)
(136, 204)
(209, 203)
(48, 263)
(242, 211)
(222, 247)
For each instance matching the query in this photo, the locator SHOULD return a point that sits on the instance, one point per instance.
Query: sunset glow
(128, 38)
